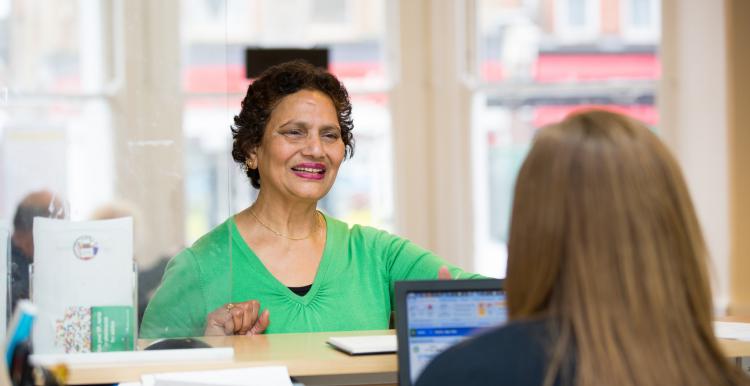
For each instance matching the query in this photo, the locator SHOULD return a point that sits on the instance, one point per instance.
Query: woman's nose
(313, 146)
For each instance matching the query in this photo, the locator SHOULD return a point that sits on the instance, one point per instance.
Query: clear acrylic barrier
(122, 108)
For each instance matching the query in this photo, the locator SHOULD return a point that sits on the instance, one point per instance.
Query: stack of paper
(371, 344)
(218, 354)
(250, 376)
(732, 330)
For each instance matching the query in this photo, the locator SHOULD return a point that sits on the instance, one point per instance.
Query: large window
(55, 118)
(534, 69)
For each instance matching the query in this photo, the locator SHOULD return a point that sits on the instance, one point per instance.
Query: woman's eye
(331, 135)
(293, 133)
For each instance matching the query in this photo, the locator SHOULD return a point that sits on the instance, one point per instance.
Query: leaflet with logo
(83, 285)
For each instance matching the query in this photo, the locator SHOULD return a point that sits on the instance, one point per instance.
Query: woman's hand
(444, 273)
(237, 319)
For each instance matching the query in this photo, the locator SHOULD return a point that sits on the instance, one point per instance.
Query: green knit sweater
(352, 290)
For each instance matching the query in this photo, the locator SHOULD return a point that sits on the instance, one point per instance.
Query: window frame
(572, 34)
(636, 34)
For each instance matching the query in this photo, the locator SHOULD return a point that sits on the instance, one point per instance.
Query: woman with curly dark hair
(281, 255)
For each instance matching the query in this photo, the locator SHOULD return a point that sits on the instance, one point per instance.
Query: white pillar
(692, 102)
(147, 116)
(431, 130)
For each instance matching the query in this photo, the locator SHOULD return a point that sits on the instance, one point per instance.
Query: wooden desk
(309, 360)
(735, 348)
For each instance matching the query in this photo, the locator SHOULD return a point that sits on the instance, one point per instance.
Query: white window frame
(637, 34)
(575, 34)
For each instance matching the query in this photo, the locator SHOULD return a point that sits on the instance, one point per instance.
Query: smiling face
(302, 149)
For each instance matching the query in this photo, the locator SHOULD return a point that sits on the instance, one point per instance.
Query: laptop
(432, 315)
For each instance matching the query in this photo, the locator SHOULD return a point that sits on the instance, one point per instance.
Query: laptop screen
(439, 318)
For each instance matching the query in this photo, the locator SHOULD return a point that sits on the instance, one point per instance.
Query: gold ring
(229, 306)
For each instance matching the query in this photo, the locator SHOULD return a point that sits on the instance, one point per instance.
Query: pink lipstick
(310, 170)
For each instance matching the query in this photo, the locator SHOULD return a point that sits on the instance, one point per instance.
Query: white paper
(250, 376)
(732, 330)
(83, 264)
(218, 354)
(4, 263)
(369, 344)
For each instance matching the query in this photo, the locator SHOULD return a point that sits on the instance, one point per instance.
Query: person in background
(606, 280)
(41, 203)
(305, 269)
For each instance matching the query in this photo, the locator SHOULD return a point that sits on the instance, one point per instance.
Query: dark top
(148, 281)
(515, 354)
(301, 291)
(19, 275)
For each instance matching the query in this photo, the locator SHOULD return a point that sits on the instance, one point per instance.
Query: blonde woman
(606, 281)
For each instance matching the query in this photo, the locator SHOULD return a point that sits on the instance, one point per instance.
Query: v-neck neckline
(260, 268)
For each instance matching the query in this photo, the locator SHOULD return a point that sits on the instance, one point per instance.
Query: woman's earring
(251, 164)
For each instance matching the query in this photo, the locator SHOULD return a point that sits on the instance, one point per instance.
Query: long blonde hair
(604, 240)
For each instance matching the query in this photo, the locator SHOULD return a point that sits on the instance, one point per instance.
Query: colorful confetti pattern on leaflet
(112, 328)
(73, 331)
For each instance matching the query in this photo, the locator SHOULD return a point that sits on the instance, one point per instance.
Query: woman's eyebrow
(292, 122)
(304, 125)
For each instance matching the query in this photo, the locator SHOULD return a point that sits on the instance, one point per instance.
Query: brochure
(83, 286)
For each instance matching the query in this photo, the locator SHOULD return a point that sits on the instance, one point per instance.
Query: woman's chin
(296, 190)
(307, 195)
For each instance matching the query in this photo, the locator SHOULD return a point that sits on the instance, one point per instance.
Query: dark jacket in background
(19, 276)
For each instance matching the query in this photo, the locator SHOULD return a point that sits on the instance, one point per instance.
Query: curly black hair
(264, 94)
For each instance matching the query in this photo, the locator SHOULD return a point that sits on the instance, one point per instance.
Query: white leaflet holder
(83, 283)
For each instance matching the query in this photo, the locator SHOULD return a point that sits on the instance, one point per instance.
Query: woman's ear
(252, 158)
